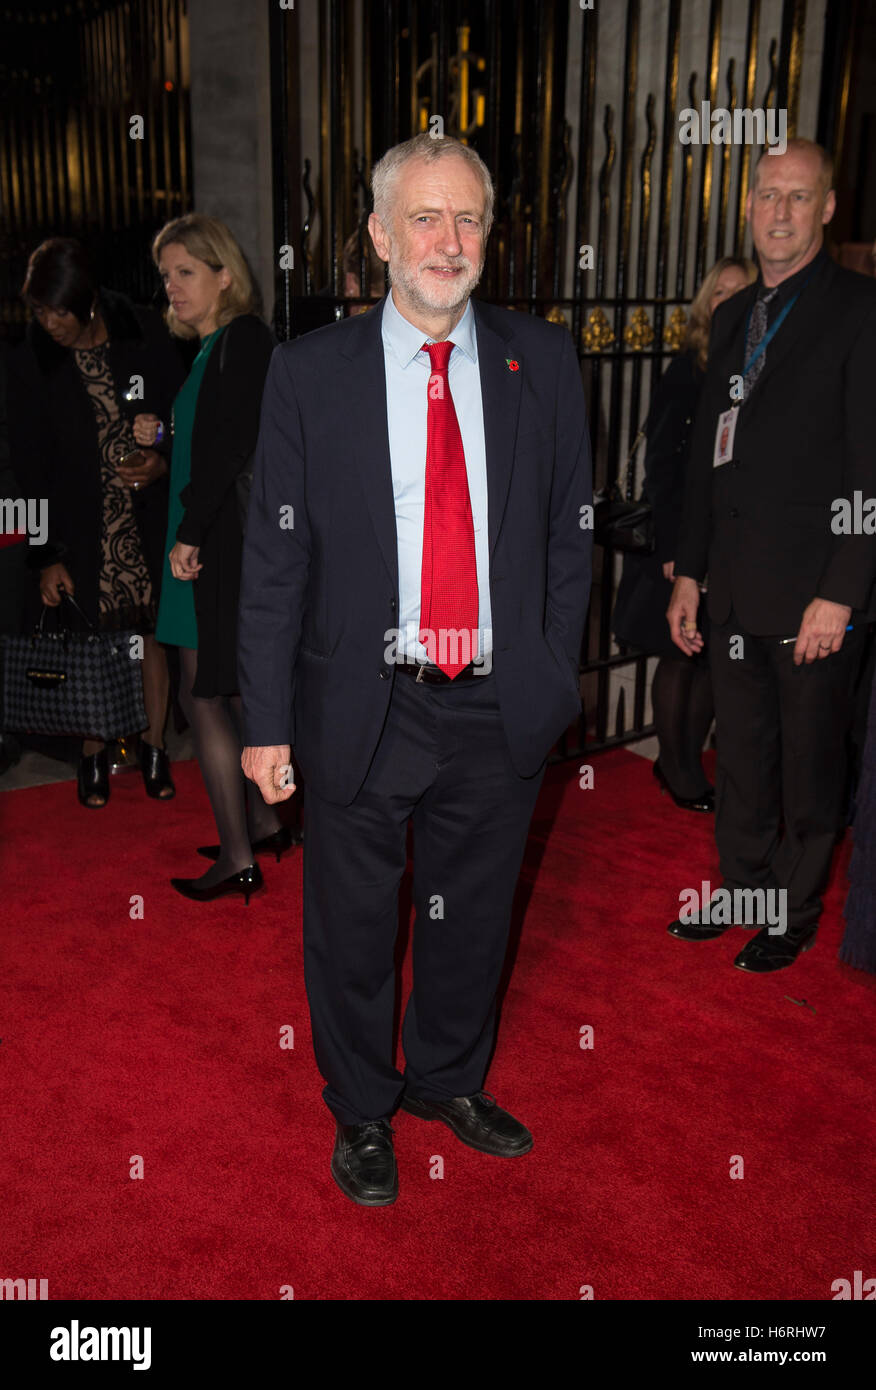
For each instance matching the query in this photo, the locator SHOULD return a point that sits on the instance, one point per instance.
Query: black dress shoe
(155, 766)
(276, 843)
(704, 802)
(92, 779)
(363, 1163)
(477, 1120)
(766, 953)
(247, 882)
(697, 931)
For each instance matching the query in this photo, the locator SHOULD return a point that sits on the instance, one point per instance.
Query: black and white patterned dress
(126, 598)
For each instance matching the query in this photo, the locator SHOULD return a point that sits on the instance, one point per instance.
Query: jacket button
(733, 511)
(384, 675)
(392, 604)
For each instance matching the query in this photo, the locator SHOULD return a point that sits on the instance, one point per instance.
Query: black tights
(681, 696)
(217, 732)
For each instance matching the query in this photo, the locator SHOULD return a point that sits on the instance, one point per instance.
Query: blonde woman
(681, 692)
(212, 297)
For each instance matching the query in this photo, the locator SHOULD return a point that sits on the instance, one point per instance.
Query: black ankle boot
(93, 779)
(155, 766)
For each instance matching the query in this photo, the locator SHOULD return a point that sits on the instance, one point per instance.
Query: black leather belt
(427, 674)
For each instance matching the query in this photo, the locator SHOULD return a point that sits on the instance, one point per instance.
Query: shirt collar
(405, 340)
(794, 282)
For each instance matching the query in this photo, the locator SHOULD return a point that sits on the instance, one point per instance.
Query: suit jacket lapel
(364, 395)
(801, 324)
(500, 395)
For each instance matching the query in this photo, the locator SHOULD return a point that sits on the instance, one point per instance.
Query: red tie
(449, 585)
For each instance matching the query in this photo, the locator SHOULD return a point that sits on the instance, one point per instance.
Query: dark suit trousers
(781, 775)
(442, 762)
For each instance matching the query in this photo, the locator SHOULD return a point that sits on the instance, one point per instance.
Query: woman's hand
(141, 475)
(146, 428)
(184, 561)
(52, 579)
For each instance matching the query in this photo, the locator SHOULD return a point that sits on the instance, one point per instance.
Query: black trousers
(781, 776)
(443, 763)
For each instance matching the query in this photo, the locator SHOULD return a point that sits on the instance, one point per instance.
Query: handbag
(87, 684)
(624, 525)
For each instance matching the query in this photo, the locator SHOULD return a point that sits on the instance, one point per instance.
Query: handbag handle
(623, 478)
(40, 627)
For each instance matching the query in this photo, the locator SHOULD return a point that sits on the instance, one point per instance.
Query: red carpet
(160, 1038)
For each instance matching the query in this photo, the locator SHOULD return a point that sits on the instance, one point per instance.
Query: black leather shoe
(704, 802)
(363, 1163)
(92, 779)
(477, 1120)
(155, 766)
(247, 882)
(696, 931)
(277, 844)
(766, 953)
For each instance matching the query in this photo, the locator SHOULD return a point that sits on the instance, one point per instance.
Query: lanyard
(771, 332)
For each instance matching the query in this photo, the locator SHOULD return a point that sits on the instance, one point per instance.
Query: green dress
(176, 611)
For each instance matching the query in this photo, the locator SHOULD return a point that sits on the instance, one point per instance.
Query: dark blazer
(643, 593)
(54, 447)
(223, 441)
(761, 524)
(319, 602)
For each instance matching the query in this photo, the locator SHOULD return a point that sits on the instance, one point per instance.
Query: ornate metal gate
(575, 108)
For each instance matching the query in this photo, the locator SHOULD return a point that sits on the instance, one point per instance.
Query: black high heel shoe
(276, 843)
(704, 802)
(247, 882)
(155, 766)
(92, 779)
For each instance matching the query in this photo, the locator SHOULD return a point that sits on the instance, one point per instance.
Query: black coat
(54, 444)
(224, 438)
(643, 594)
(761, 524)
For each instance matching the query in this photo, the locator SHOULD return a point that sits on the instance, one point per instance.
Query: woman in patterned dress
(89, 355)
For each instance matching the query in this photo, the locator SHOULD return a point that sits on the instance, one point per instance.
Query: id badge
(724, 435)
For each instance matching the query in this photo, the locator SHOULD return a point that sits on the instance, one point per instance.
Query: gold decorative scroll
(673, 333)
(638, 333)
(597, 335)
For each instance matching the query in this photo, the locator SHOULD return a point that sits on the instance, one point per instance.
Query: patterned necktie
(449, 583)
(757, 327)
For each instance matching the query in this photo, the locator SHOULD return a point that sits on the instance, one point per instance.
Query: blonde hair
(209, 240)
(697, 336)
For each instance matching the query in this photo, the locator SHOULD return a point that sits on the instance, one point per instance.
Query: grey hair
(425, 146)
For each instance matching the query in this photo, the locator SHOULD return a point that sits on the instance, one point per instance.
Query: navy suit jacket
(319, 590)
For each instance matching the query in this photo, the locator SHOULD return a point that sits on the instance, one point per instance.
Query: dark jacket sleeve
(276, 564)
(669, 429)
(166, 372)
(224, 440)
(849, 574)
(33, 452)
(570, 546)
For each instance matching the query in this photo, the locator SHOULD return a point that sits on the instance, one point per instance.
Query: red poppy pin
(512, 365)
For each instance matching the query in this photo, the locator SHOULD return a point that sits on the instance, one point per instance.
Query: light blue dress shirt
(408, 370)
